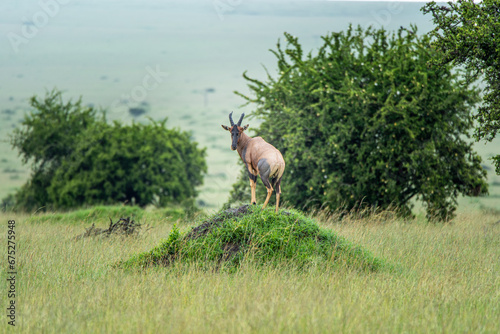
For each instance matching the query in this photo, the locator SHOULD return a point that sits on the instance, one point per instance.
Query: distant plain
(103, 51)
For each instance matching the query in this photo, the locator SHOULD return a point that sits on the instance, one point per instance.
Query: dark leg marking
(264, 171)
(251, 176)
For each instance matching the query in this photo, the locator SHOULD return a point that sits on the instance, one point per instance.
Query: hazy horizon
(165, 55)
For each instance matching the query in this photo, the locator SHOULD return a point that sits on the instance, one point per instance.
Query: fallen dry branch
(123, 227)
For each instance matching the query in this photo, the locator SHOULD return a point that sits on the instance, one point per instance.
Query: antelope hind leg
(265, 171)
(269, 192)
(277, 188)
(277, 201)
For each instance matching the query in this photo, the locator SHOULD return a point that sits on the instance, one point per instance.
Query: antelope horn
(231, 118)
(241, 119)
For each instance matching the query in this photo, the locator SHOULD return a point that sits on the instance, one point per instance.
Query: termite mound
(248, 235)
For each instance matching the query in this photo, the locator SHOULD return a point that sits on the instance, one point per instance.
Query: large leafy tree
(366, 123)
(468, 33)
(78, 159)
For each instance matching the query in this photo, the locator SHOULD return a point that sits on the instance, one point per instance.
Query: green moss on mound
(247, 233)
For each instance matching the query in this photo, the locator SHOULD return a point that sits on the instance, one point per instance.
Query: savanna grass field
(435, 277)
(444, 278)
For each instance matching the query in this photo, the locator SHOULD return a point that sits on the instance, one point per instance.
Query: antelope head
(235, 129)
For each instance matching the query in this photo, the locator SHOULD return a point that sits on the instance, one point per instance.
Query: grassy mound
(247, 233)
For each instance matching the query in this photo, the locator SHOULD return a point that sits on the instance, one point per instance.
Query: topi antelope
(260, 158)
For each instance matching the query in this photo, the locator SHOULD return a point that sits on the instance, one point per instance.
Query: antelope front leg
(253, 184)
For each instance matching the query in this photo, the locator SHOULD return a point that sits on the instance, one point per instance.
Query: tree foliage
(365, 123)
(468, 33)
(79, 159)
(129, 163)
(45, 139)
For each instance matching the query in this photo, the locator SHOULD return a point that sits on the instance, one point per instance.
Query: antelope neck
(242, 145)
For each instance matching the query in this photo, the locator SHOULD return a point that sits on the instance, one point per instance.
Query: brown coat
(253, 150)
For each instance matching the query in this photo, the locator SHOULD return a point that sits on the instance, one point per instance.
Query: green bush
(366, 123)
(46, 137)
(79, 159)
(229, 238)
(137, 163)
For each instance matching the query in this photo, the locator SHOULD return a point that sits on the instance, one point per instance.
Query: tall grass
(449, 282)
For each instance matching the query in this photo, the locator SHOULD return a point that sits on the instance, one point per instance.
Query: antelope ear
(225, 127)
(246, 127)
